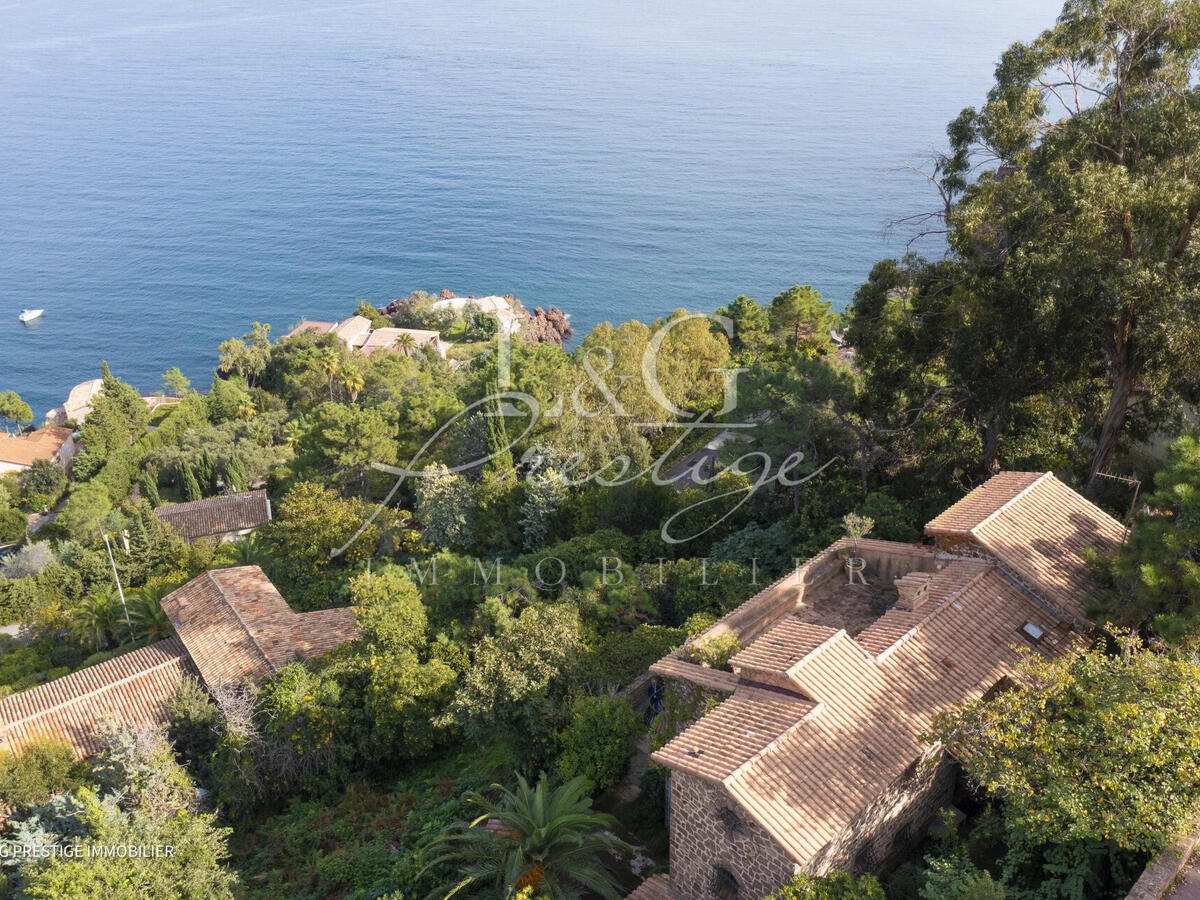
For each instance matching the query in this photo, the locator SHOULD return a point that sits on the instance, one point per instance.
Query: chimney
(913, 589)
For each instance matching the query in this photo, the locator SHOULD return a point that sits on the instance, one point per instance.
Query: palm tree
(406, 343)
(331, 364)
(146, 613)
(92, 620)
(352, 381)
(250, 551)
(293, 430)
(550, 841)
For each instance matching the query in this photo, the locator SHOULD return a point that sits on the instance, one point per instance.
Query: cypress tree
(235, 473)
(206, 473)
(188, 483)
(149, 485)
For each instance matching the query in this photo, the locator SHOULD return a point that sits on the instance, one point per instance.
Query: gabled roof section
(983, 502)
(216, 515)
(132, 688)
(1041, 532)
(237, 627)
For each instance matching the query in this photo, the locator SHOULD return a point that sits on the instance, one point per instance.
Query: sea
(173, 170)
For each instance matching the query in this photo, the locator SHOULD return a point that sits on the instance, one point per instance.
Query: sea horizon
(175, 174)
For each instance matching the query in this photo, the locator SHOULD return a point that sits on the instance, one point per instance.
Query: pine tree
(188, 483)
(235, 473)
(149, 485)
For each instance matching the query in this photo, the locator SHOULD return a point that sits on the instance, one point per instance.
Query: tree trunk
(1124, 377)
(990, 429)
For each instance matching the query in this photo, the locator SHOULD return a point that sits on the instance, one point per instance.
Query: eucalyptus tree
(1089, 144)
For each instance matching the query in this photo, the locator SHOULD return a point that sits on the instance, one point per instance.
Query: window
(1033, 632)
(725, 886)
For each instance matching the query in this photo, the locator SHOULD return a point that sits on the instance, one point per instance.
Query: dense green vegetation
(512, 588)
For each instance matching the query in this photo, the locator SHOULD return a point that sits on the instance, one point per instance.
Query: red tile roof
(236, 626)
(216, 515)
(133, 688)
(23, 449)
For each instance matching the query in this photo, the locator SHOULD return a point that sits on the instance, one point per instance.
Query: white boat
(28, 315)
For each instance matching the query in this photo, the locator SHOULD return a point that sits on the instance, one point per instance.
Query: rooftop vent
(913, 589)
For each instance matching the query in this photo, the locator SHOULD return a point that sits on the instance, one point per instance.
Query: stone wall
(709, 830)
(884, 834)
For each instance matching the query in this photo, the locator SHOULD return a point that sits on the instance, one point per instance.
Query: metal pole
(117, 579)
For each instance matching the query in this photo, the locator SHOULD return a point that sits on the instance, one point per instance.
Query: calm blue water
(173, 170)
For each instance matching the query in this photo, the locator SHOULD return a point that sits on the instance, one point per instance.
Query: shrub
(12, 526)
(598, 742)
(616, 658)
(194, 724)
(714, 652)
(43, 769)
(957, 878)
(834, 886)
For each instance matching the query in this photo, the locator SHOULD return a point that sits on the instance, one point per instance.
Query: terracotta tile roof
(43, 443)
(712, 679)
(804, 768)
(735, 732)
(385, 338)
(237, 627)
(216, 515)
(783, 646)
(896, 624)
(308, 325)
(982, 502)
(353, 331)
(1045, 538)
(1041, 531)
(132, 688)
(656, 887)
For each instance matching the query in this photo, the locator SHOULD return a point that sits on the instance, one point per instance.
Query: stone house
(811, 756)
(231, 625)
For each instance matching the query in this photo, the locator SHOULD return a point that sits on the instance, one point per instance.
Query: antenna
(1133, 482)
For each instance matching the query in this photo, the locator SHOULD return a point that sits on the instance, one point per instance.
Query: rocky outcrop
(548, 326)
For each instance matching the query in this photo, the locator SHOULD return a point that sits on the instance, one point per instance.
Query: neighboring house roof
(133, 688)
(353, 331)
(1040, 530)
(23, 449)
(308, 325)
(357, 334)
(385, 339)
(656, 887)
(236, 626)
(818, 721)
(490, 304)
(216, 515)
